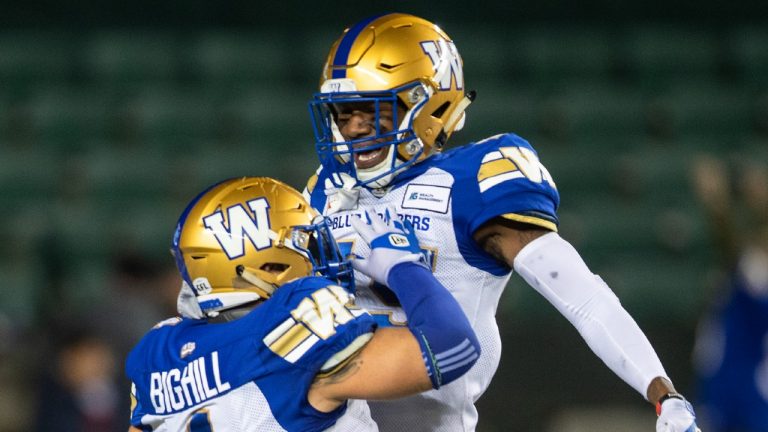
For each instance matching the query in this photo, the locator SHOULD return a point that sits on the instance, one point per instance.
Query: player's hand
(345, 197)
(391, 244)
(676, 415)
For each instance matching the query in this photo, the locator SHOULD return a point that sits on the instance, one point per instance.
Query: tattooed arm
(503, 239)
(387, 367)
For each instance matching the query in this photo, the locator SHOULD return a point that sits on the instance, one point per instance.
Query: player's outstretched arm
(389, 366)
(555, 269)
(437, 347)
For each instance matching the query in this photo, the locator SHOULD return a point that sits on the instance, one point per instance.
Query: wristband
(663, 398)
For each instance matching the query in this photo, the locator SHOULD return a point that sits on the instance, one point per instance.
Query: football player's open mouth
(371, 158)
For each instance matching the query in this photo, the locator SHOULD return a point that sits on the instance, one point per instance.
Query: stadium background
(113, 116)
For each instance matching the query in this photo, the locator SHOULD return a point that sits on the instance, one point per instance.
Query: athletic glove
(392, 243)
(675, 415)
(345, 197)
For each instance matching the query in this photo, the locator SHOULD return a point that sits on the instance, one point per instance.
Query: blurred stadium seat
(657, 55)
(124, 57)
(708, 109)
(225, 58)
(30, 57)
(68, 118)
(554, 57)
(747, 46)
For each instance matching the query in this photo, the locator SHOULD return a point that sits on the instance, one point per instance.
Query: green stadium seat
(502, 108)
(578, 169)
(19, 304)
(30, 57)
(27, 175)
(121, 57)
(223, 58)
(171, 117)
(655, 284)
(561, 55)
(279, 109)
(658, 171)
(708, 109)
(311, 53)
(592, 113)
(487, 57)
(65, 118)
(604, 226)
(748, 50)
(657, 55)
(118, 179)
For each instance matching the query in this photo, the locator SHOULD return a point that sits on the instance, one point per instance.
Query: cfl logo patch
(202, 286)
(398, 240)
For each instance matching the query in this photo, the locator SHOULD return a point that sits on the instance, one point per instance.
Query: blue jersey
(253, 373)
(733, 360)
(447, 197)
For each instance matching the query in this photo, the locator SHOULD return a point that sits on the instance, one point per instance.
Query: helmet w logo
(242, 226)
(446, 61)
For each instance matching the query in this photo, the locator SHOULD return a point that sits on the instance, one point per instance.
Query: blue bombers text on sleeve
(448, 343)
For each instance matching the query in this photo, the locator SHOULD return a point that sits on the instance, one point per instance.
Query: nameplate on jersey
(427, 197)
(177, 389)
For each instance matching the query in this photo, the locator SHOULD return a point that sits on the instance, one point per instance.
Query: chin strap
(266, 288)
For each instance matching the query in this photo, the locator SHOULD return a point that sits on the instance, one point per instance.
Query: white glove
(343, 198)
(676, 415)
(391, 244)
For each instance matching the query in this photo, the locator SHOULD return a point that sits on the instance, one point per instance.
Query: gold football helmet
(241, 239)
(393, 60)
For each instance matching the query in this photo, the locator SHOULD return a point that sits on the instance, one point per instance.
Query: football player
(391, 94)
(731, 351)
(273, 341)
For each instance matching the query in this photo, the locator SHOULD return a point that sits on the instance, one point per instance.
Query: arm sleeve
(448, 343)
(554, 268)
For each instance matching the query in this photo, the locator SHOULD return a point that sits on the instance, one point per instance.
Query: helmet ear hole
(274, 268)
(441, 110)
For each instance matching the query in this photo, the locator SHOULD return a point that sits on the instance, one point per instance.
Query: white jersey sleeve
(554, 268)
